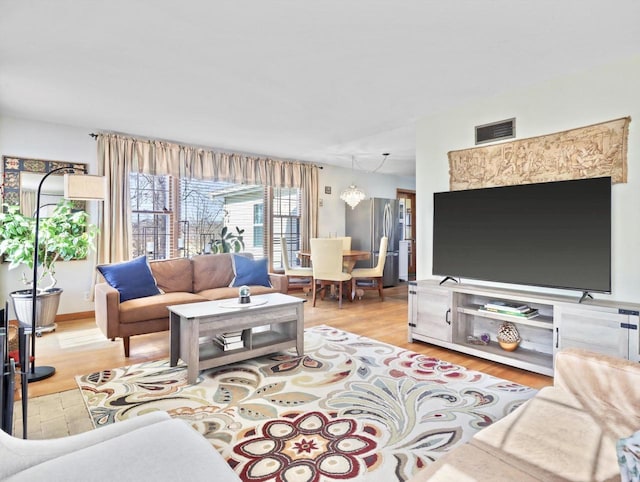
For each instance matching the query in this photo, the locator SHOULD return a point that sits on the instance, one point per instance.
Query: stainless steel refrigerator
(366, 224)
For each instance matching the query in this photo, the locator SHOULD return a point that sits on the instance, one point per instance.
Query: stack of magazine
(510, 308)
(231, 340)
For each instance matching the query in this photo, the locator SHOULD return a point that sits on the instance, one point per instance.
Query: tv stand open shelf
(539, 321)
(448, 315)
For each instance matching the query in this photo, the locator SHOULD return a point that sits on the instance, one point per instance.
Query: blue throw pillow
(133, 279)
(250, 271)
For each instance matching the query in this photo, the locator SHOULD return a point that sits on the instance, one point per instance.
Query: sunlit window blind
(286, 223)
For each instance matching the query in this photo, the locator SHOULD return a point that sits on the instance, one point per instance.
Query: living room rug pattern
(350, 408)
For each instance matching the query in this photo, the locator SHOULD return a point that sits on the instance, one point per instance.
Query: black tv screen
(553, 234)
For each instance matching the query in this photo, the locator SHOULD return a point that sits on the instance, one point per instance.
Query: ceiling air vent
(505, 129)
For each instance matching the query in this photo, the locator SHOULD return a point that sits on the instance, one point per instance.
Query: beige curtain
(118, 155)
(116, 158)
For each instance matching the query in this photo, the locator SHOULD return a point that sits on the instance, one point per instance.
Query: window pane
(258, 214)
(241, 203)
(258, 235)
(149, 193)
(201, 215)
(150, 233)
(151, 215)
(286, 223)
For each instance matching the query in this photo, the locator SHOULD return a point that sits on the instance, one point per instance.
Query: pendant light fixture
(352, 195)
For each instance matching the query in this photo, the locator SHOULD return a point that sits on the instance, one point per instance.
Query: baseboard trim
(69, 316)
(75, 316)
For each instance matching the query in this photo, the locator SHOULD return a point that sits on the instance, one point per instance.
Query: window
(183, 217)
(150, 202)
(258, 225)
(286, 223)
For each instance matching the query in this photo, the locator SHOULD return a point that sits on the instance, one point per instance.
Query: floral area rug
(351, 408)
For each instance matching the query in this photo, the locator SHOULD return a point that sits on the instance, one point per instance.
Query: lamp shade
(84, 187)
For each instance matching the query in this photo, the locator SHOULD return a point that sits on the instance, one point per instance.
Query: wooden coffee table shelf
(194, 326)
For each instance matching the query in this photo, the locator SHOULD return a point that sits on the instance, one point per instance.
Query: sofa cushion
(173, 274)
(553, 434)
(551, 437)
(133, 279)
(608, 386)
(469, 463)
(154, 307)
(250, 271)
(211, 271)
(228, 292)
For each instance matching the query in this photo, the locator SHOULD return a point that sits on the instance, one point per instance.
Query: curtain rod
(95, 136)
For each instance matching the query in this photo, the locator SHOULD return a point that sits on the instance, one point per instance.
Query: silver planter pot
(46, 308)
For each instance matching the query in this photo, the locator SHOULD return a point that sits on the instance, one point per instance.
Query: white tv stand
(446, 315)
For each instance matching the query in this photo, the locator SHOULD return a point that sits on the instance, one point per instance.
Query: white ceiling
(317, 81)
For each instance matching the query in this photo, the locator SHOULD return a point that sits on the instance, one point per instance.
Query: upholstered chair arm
(107, 306)
(603, 384)
(279, 282)
(17, 454)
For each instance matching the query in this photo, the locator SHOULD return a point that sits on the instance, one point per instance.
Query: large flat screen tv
(553, 234)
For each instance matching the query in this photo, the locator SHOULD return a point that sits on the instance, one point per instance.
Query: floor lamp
(76, 187)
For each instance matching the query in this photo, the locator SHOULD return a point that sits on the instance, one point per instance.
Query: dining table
(349, 259)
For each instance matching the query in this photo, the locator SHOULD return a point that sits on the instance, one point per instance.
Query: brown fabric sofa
(182, 280)
(567, 432)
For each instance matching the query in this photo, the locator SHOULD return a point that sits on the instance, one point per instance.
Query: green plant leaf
(66, 234)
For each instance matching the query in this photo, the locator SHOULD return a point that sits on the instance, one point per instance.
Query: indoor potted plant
(64, 235)
(228, 242)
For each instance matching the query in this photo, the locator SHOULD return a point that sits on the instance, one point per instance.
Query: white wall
(591, 97)
(38, 140)
(331, 212)
(32, 139)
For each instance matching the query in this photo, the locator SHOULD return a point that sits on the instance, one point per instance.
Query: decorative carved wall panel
(591, 151)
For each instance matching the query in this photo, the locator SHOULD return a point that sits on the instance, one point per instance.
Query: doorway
(408, 231)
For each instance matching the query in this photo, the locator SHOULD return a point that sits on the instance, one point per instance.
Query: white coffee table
(282, 315)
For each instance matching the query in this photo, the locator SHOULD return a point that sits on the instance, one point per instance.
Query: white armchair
(148, 448)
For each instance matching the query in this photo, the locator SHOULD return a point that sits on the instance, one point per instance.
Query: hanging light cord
(384, 159)
(385, 155)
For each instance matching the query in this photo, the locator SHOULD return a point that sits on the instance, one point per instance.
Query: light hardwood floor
(56, 408)
(78, 347)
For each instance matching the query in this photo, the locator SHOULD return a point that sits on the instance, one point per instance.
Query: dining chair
(346, 242)
(346, 246)
(371, 274)
(326, 263)
(294, 273)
